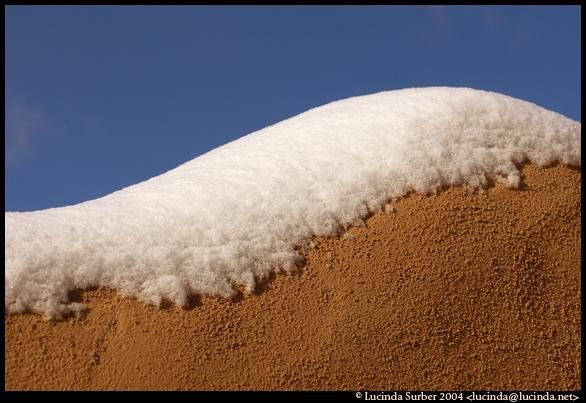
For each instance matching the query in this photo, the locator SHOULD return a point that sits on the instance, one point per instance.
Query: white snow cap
(233, 215)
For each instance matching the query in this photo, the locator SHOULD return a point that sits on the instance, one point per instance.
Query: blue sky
(100, 98)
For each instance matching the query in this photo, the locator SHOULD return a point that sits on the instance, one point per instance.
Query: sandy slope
(451, 291)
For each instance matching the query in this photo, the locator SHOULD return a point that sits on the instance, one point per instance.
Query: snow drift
(235, 214)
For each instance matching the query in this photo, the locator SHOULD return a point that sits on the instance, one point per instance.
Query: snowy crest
(233, 215)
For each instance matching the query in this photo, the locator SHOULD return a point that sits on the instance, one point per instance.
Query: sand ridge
(451, 291)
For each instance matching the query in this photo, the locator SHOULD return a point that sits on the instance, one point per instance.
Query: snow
(235, 214)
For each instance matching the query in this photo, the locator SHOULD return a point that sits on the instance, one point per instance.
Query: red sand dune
(450, 291)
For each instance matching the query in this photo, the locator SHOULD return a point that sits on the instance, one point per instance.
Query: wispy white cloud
(517, 34)
(523, 36)
(439, 15)
(438, 32)
(492, 19)
(23, 124)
